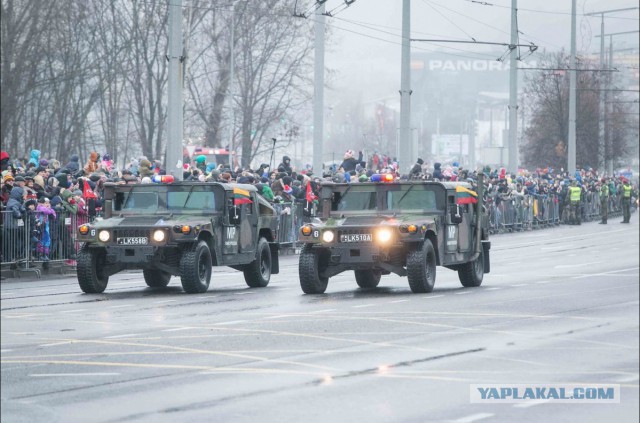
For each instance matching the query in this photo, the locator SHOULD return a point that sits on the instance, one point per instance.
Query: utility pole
(512, 163)
(173, 158)
(406, 156)
(609, 83)
(232, 70)
(601, 109)
(318, 91)
(571, 161)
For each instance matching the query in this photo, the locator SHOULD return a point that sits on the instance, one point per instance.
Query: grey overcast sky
(365, 43)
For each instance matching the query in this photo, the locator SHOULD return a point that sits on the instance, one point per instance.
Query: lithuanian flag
(241, 196)
(465, 196)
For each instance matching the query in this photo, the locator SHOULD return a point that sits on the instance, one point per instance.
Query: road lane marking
(233, 322)
(398, 301)
(208, 296)
(463, 293)
(531, 403)
(630, 378)
(164, 301)
(326, 310)
(566, 266)
(278, 317)
(364, 305)
(123, 305)
(520, 284)
(243, 293)
(474, 417)
(492, 289)
(53, 344)
(541, 282)
(177, 329)
(5, 351)
(604, 273)
(74, 311)
(126, 335)
(432, 296)
(71, 374)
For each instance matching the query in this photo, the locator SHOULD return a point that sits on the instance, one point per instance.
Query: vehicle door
(458, 227)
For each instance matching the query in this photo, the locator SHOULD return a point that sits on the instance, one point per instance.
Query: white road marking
(433, 296)
(5, 351)
(521, 284)
(244, 293)
(233, 322)
(208, 296)
(126, 335)
(123, 305)
(165, 301)
(463, 293)
(326, 310)
(177, 329)
(398, 301)
(74, 311)
(530, 403)
(473, 417)
(278, 317)
(71, 374)
(541, 282)
(566, 266)
(364, 305)
(53, 344)
(492, 289)
(630, 378)
(604, 273)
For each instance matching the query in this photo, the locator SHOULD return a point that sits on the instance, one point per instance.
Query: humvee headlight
(412, 229)
(158, 235)
(84, 229)
(104, 236)
(328, 236)
(383, 235)
(306, 230)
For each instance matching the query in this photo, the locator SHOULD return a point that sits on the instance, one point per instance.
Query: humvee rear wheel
(471, 273)
(156, 278)
(368, 279)
(195, 268)
(310, 265)
(91, 277)
(421, 268)
(258, 272)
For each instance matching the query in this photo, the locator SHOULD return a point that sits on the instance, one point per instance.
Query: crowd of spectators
(49, 190)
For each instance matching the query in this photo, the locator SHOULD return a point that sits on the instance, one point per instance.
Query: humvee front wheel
(471, 273)
(195, 268)
(421, 268)
(156, 278)
(91, 276)
(368, 279)
(258, 272)
(309, 267)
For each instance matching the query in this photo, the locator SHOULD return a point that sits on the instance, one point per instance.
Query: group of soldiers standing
(574, 197)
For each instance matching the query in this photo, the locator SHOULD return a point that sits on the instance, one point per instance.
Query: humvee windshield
(412, 197)
(175, 199)
(355, 199)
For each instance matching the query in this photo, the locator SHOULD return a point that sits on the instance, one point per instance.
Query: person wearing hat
(7, 186)
(416, 170)
(626, 201)
(13, 236)
(574, 194)
(604, 201)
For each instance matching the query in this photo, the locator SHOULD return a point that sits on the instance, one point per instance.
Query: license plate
(140, 240)
(356, 238)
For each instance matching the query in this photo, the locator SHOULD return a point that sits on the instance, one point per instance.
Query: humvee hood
(147, 221)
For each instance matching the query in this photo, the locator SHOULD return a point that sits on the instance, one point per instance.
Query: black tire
(421, 268)
(90, 270)
(156, 278)
(258, 272)
(309, 267)
(368, 279)
(195, 268)
(471, 273)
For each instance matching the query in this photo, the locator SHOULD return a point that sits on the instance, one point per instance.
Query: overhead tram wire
(526, 37)
(550, 12)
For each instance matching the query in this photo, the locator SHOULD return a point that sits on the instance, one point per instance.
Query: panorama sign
(469, 65)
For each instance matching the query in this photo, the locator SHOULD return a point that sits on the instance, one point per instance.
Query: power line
(484, 3)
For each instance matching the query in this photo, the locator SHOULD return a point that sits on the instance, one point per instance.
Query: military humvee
(180, 229)
(406, 228)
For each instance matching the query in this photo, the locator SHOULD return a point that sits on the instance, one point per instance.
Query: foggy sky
(369, 68)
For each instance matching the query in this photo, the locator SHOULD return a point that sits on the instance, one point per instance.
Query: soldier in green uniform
(604, 201)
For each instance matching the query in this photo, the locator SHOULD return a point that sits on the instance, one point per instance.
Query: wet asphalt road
(559, 306)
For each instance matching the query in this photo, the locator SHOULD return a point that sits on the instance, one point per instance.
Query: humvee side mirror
(456, 215)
